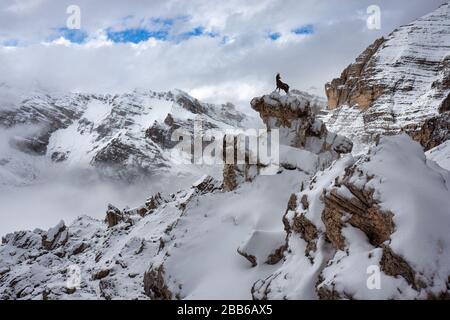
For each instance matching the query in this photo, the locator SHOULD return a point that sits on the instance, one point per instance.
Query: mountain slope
(398, 81)
(116, 134)
(368, 214)
(202, 242)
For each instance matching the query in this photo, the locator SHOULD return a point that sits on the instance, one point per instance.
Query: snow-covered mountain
(252, 240)
(386, 211)
(328, 223)
(208, 241)
(396, 83)
(124, 136)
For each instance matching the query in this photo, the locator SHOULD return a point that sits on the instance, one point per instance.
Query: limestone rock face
(154, 284)
(55, 237)
(295, 118)
(351, 88)
(304, 142)
(432, 132)
(113, 216)
(399, 81)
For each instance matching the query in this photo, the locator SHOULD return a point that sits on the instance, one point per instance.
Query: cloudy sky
(216, 50)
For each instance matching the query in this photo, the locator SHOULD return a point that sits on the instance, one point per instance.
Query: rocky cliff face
(296, 119)
(304, 142)
(399, 81)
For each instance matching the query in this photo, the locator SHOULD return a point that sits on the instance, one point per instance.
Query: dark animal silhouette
(281, 85)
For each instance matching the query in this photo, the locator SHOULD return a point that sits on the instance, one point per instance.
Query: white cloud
(234, 66)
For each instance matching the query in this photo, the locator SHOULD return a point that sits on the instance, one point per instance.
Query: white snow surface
(441, 155)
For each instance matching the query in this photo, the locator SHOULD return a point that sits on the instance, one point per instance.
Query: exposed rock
(113, 216)
(359, 210)
(277, 255)
(155, 201)
(107, 288)
(234, 173)
(101, 274)
(59, 156)
(155, 286)
(80, 248)
(24, 239)
(326, 292)
(394, 265)
(432, 132)
(351, 88)
(55, 237)
(294, 117)
(206, 184)
(229, 178)
(349, 219)
(249, 257)
(292, 203)
(307, 231)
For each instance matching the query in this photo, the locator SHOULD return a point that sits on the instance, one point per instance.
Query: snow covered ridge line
(93, 259)
(123, 136)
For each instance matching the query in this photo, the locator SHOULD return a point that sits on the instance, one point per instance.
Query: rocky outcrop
(235, 173)
(296, 120)
(349, 221)
(113, 216)
(394, 265)
(347, 203)
(229, 178)
(55, 237)
(304, 142)
(432, 132)
(395, 83)
(155, 286)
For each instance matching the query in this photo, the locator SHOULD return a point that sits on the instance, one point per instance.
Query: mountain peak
(398, 81)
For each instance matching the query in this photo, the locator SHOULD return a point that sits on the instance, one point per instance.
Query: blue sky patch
(304, 30)
(197, 32)
(136, 35)
(274, 35)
